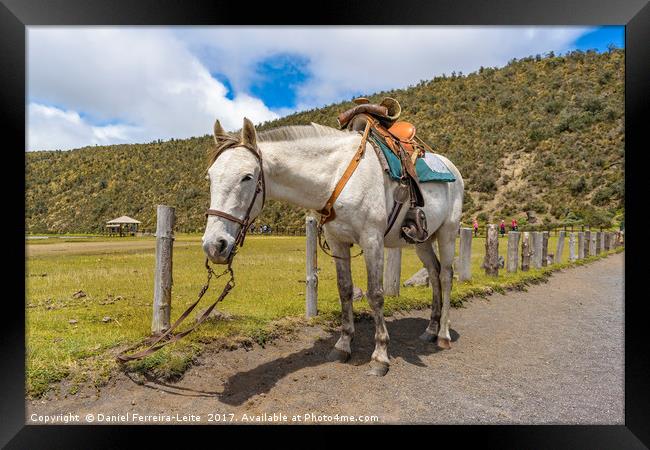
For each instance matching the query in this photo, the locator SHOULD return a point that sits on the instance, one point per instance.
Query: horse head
(236, 178)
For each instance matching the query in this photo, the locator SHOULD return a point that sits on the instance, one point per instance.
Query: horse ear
(219, 132)
(248, 134)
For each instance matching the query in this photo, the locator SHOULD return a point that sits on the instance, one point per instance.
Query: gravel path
(553, 354)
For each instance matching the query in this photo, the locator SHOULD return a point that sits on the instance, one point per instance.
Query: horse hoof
(337, 355)
(427, 337)
(377, 368)
(443, 343)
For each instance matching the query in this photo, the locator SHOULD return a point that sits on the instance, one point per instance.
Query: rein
(155, 343)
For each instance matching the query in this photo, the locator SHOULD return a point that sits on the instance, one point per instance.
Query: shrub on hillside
(578, 186)
(485, 182)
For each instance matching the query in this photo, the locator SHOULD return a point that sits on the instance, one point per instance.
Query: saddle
(400, 137)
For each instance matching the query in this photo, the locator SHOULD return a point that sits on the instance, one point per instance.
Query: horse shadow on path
(404, 344)
(241, 386)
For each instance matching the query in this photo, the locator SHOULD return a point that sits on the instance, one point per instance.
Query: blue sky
(279, 77)
(600, 38)
(105, 85)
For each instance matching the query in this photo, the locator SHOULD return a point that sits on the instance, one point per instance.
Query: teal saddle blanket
(429, 168)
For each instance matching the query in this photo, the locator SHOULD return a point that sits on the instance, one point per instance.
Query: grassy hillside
(542, 135)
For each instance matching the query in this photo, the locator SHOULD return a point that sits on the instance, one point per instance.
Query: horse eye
(247, 177)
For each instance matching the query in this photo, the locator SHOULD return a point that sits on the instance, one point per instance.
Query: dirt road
(553, 354)
(91, 248)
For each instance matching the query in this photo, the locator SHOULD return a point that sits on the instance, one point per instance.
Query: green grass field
(118, 281)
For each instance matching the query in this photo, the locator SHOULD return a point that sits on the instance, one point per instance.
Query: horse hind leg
(447, 246)
(374, 257)
(428, 257)
(342, 349)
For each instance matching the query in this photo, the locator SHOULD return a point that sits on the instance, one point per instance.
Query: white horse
(301, 166)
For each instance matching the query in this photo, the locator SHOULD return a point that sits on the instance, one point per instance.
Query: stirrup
(414, 229)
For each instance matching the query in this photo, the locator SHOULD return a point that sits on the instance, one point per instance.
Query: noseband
(231, 142)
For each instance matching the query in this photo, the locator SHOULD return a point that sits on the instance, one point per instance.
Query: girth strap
(327, 213)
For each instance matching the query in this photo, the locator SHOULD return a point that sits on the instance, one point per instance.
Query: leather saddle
(400, 137)
(395, 133)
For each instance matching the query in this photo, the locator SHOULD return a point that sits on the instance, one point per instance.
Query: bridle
(232, 142)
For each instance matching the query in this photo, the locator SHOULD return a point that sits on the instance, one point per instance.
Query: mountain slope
(542, 135)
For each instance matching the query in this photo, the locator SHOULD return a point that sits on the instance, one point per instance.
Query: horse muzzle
(219, 250)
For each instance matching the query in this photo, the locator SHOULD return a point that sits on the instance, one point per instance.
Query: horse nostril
(221, 245)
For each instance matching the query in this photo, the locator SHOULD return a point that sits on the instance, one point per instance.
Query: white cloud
(151, 83)
(145, 79)
(52, 128)
(346, 60)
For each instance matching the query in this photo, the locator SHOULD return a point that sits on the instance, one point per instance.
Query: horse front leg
(342, 349)
(374, 256)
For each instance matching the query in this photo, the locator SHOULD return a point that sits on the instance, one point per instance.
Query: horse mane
(280, 134)
(296, 132)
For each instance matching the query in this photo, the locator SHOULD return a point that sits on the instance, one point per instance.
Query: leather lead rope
(155, 343)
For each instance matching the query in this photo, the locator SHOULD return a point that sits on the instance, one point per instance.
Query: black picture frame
(15, 15)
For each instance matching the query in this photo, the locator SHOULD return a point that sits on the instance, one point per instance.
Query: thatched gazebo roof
(122, 220)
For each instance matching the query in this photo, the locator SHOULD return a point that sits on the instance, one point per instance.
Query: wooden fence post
(545, 235)
(592, 244)
(392, 271)
(581, 244)
(536, 258)
(599, 235)
(525, 251)
(465, 255)
(560, 247)
(162, 290)
(491, 260)
(607, 245)
(587, 249)
(602, 240)
(311, 293)
(572, 246)
(513, 251)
